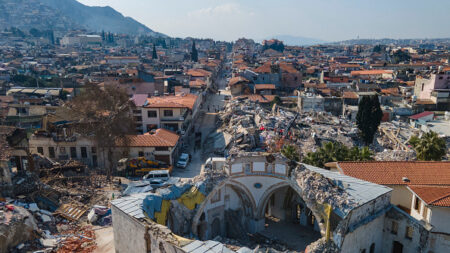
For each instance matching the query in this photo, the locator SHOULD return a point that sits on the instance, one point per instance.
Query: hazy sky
(329, 20)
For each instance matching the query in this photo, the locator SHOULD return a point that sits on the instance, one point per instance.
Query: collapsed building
(256, 201)
(249, 126)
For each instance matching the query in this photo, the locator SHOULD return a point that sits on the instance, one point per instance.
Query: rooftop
(393, 172)
(433, 195)
(160, 138)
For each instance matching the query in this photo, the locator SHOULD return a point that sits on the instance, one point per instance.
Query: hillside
(67, 15)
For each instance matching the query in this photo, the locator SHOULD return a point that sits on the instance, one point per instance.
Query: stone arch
(240, 189)
(288, 183)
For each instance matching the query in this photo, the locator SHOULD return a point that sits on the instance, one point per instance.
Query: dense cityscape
(118, 138)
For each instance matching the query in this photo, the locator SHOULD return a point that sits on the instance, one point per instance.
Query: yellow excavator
(140, 166)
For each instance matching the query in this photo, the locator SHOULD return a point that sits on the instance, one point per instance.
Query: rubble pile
(16, 225)
(321, 246)
(77, 239)
(50, 212)
(316, 188)
(254, 128)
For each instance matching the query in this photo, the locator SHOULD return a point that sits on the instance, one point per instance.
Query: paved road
(205, 124)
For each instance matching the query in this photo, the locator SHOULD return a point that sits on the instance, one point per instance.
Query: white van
(162, 175)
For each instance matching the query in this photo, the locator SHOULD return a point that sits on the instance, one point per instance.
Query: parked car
(183, 161)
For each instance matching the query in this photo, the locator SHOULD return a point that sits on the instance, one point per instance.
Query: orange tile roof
(265, 86)
(289, 68)
(391, 173)
(237, 79)
(265, 68)
(433, 195)
(197, 83)
(350, 94)
(392, 91)
(178, 101)
(161, 138)
(371, 72)
(198, 73)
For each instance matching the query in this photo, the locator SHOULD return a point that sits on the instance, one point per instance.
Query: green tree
(276, 100)
(368, 117)
(430, 147)
(103, 114)
(335, 152)
(379, 48)
(291, 153)
(400, 56)
(154, 54)
(194, 53)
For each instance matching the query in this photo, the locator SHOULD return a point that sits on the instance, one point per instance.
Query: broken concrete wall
(19, 226)
(396, 223)
(128, 233)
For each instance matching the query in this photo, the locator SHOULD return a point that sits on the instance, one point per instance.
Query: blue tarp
(152, 202)
(201, 186)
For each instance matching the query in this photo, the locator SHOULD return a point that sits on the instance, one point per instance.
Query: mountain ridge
(68, 15)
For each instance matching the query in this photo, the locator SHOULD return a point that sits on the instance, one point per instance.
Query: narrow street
(205, 124)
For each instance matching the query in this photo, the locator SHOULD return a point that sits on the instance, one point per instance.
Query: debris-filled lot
(55, 210)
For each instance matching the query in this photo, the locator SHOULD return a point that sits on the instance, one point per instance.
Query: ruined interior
(289, 220)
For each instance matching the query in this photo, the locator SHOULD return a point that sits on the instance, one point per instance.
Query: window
(83, 152)
(423, 86)
(141, 153)
(73, 152)
(168, 113)
(94, 150)
(372, 248)
(40, 150)
(363, 251)
(161, 148)
(394, 228)
(416, 203)
(152, 114)
(62, 150)
(409, 232)
(51, 152)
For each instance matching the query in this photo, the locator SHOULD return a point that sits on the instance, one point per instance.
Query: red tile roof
(198, 73)
(371, 72)
(350, 94)
(236, 80)
(391, 173)
(421, 115)
(433, 195)
(265, 86)
(197, 83)
(161, 138)
(179, 101)
(265, 68)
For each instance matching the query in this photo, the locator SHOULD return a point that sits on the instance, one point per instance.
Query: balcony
(173, 119)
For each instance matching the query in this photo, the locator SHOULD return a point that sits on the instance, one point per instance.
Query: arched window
(372, 248)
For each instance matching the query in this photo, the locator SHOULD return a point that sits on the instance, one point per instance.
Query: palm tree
(430, 147)
(291, 153)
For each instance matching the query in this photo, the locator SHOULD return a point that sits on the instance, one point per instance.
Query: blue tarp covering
(201, 186)
(152, 203)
